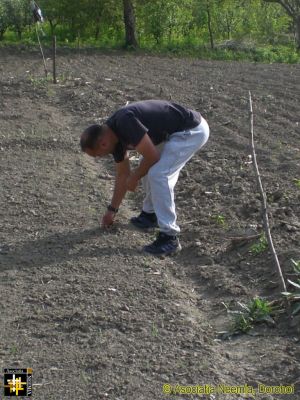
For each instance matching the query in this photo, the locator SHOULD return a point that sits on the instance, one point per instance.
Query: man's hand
(132, 182)
(108, 219)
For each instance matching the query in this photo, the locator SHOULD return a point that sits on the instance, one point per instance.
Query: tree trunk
(129, 20)
(52, 26)
(97, 31)
(97, 28)
(2, 31)
(297, 25)
(212, 45)
(228, 27)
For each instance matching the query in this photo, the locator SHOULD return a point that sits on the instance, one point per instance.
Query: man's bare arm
(122, 173)
(120, 189)
(150, 156)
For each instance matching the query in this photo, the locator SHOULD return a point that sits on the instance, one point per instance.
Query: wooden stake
(264, 200)
(78, 42)
(54, 57)
(41, 48)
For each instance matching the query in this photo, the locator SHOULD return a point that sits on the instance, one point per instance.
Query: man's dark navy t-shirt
(157, 118)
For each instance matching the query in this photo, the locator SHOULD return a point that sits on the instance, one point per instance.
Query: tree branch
(264, 200)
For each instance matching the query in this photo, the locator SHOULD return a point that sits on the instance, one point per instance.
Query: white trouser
(161, 179)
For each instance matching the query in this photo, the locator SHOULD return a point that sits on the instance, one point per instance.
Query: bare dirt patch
(92, 315)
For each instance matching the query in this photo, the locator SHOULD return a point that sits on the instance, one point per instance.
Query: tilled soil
(90, 313)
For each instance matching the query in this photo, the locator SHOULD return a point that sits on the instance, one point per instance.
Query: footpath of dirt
(90, 313)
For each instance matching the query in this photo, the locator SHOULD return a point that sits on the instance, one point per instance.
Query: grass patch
(253, 53)
(259, 53)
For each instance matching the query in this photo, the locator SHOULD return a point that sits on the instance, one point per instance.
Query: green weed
(256, 311)
(146, 264)
(154, 330)
(219, 219)
(296, 266)
(294, 297)
(50, 92)
(38, 82)
(260, 246)
(42, 82)
(85, 378)
(297, 182)
(14, 350)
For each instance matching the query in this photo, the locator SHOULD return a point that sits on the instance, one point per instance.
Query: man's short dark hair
(90, 136)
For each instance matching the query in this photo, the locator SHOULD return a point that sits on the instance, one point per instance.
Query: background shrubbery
(257, 30)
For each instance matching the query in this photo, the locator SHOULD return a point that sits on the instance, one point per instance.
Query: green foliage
(294, 297)
(154, 330)
(4, 19)
(296, 266)
(260, 246)
(219, 219)
(16, 14)
(178, 27)
(14, 349)
(256, 311)
(39, 82)
(297, 182)
(163, 21)
(281, 54)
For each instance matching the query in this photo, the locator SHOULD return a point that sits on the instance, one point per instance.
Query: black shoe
(145, 220)
(163, 245)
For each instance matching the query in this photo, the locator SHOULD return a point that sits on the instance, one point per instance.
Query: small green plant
(297, 182)
(85, 377)
(146, 264)
(50, 93)
(260, 246)
(39, 82)
(241, 324)
(154, 330)
(219, 219)
(14, 350)
(256, 311)
(296, 266)
(294, 297)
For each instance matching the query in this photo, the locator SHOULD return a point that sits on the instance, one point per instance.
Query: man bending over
(166, 135)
